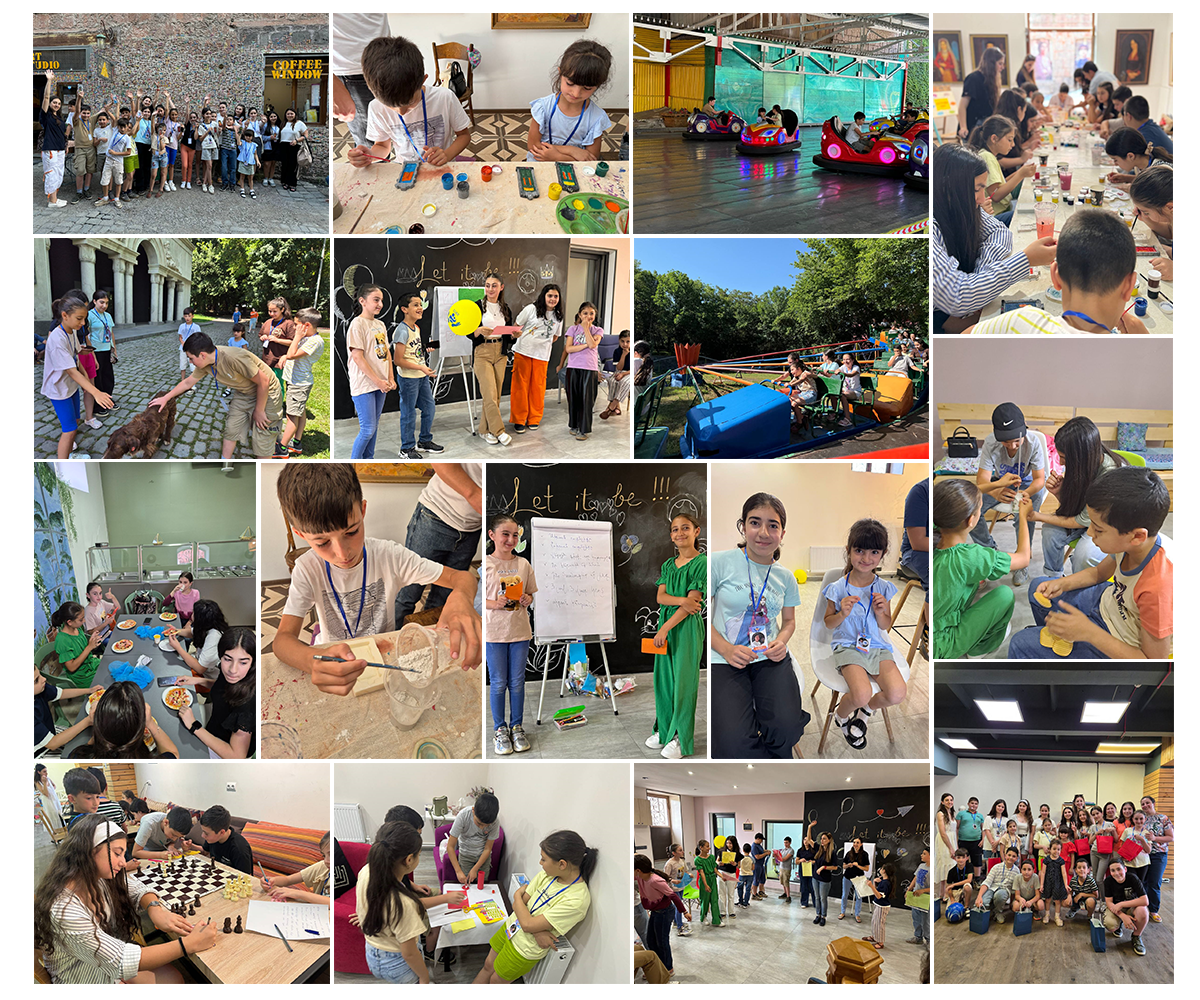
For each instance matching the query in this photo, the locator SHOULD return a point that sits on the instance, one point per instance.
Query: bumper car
(887, 157)
(917, 175)
(725, 125)
(768, 139)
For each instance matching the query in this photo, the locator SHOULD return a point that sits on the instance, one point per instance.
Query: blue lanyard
(1086, 318)
(362, 599)
(550, 123)
(870, 594)
(753, 601)
(425, 122)
(533, 909)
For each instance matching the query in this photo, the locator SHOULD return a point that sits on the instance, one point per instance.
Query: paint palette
(592, 214)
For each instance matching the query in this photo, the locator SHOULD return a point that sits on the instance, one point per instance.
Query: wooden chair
(57, 836)
(455, 50)
(915, 641)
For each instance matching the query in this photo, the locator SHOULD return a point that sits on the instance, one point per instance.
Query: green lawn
(316, 431)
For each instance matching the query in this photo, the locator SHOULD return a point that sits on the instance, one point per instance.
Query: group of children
(380, 363)
(1118, 606)
(1096, 862)
(89, 903)
(906, 356)
(138, 151)
(392, 909)
(410, 121)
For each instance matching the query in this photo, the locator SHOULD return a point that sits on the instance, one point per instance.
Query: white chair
(820, 651)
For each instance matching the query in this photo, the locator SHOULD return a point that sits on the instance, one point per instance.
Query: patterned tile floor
(500, 135)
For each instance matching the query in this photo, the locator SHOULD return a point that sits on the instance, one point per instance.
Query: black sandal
(854, 729)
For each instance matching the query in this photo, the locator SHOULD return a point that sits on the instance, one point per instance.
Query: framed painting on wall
(394, 472)
(947, 57)
(981, 43)
(1132, 61)
(580, 21)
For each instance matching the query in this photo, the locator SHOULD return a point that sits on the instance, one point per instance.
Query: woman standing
(1025, 827)
(855, 863)
(946, 842)
(1086, 459)
(271, 149)
(290, 137)
(981, 90)
(104, 343)
(490, 360)
(581, 355)
(1162, 834)
(45, 796)
(825, 866)
(54, 143)
(1026, 73)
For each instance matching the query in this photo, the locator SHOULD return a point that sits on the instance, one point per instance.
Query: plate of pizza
(128, 623)
(168, 616)
(94, 697)
(176, 698)
(122, 646)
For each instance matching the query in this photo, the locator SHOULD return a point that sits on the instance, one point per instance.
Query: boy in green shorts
(256, 406)
(305, 349)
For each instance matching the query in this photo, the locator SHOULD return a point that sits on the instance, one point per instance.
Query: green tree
(228, 272)
(917, 84)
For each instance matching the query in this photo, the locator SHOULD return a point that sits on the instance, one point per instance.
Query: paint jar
(1097, 196)
(464, 190)
(1139, 306)
(1042, 158)
(448, 182)
(426, 652)
(1153, 278)
(460, 177)
(486, 174)
(554, 191)
(601, 169)
(416, 229)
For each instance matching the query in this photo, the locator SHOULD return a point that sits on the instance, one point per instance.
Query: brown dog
(143, 433)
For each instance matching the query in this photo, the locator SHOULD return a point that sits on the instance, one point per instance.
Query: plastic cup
(416, 229)
(1064, 178)
(448, 182)
(1044, 213)
(486, 174)
(410, 694)
(1054, 196)
(1038, 193)
(460, 177)
(1097, 196)
(1042, 158)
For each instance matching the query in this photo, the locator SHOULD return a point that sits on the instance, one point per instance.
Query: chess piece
(197, 903)
(238, 928)
(191, 911)
(228, 928)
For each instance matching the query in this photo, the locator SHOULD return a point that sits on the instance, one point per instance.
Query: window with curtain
(1061, 43)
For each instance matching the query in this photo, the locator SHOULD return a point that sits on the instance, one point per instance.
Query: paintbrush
(382, 666)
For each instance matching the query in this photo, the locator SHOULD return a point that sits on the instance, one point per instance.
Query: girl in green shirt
(73, 645)
(706, 882)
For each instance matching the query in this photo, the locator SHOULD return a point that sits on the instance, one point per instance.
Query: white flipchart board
(573, 564)
(453, 345)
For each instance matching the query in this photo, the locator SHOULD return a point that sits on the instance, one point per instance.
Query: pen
(309, 930)
(282, 938)
(382, 666)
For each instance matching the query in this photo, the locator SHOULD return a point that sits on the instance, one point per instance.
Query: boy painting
(352, 579)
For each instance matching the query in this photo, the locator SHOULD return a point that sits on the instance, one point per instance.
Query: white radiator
(822, 558)
(551, 969)
(347, 822)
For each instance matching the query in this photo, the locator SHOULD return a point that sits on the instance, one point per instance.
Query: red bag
(1129, 850)
(1082, 846)
(1068, 849)
(1104, 845)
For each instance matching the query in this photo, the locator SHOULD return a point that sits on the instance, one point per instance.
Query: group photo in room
(144, 619)
(1053, 834)
(482, 348)
(371, 609)
(595, 579)
(1053, 166)
(781, 123)
(481, 122)
(215, 873)
(470, 872)
(764, 854)
(819, 624)
(1095, 470)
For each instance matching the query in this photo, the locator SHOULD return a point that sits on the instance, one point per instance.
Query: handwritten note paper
(294, 919)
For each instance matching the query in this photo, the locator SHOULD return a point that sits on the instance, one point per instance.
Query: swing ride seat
(740, 424)
(820, 651)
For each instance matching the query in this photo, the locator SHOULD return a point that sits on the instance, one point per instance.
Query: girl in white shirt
(541, 325)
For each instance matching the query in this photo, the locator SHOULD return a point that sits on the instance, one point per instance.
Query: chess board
(180, 882)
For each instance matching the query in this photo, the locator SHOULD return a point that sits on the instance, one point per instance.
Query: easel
(464, 366)
(945, 107)
(547, 647)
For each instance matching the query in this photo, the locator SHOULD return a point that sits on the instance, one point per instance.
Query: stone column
(185, 298)
(87, 268)
(156, 288)
(170, 301)
(41, 281)
(128, 293)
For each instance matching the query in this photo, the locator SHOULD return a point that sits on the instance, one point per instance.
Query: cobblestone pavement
(146, 368)
(191, 212)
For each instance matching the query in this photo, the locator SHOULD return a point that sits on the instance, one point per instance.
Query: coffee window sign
(297, 80)
(73, 60)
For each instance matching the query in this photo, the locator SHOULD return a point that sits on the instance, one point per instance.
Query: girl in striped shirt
(85, 914)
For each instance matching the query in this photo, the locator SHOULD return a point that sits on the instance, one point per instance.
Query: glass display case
(159, 563)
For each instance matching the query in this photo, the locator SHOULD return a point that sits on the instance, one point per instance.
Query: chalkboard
(573, 566)
(402, 264)
(894, 820)
(637, 500)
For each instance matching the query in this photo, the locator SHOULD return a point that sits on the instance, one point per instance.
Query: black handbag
(961, 444)
(457, 82)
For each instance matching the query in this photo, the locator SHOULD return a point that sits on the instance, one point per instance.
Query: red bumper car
(768, 139)
(887, 157)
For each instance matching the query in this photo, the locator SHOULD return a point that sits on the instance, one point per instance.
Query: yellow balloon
(718, 842)
(464, 317)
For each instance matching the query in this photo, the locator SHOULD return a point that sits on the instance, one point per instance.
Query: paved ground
(193, 212)
(146, 367)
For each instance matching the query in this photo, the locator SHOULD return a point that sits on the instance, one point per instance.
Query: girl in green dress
(680, 636)
(74, 645)
(706, 882)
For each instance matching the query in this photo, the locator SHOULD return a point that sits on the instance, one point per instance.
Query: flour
(421, 663)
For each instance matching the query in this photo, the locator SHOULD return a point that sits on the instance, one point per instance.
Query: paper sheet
(463, 925)
(441, 915)
(294, 919)
(806, 868)
(483, 895)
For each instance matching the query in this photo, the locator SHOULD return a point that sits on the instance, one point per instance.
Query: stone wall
(190, 54)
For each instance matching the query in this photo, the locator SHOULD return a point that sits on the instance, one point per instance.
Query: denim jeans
(415, 394)
(822, 896)
(995, 900)
(1054, 548)
(432, 538)
(357, 87)
(744, 888)
(659, 931)
(980, 533)
(506, 672)
(848, 890)
(369, 407)
(807, 893)
(920, 919)
(229, 166)
(390, 966)
(1154, 877)
(1026, 644)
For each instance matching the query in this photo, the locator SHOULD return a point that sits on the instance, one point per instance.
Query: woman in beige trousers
(491, 358)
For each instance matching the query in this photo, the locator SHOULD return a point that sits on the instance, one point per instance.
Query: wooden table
(328, 726)
(1024, 231)
(249, 957)
(162, 664)
(494, 207)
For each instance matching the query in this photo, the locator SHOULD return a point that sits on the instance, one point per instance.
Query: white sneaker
(505, 439)
(491, 438)
(56, 204)
(671, 751)
(653, 742)
(94, 424)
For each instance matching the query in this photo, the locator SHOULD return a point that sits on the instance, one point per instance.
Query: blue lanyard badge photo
(760, 624)
(362, 599)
